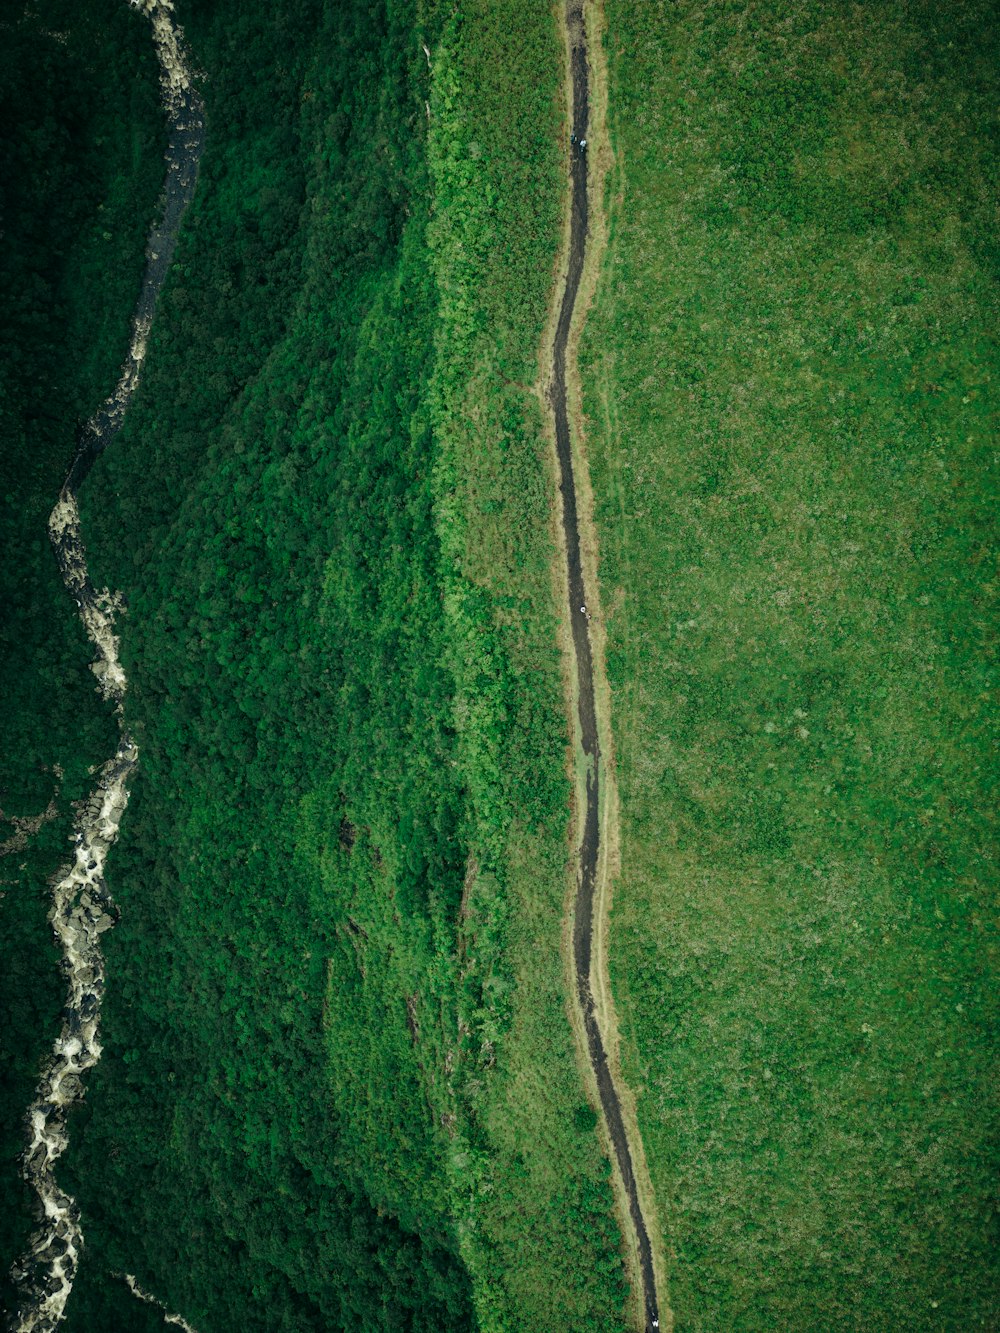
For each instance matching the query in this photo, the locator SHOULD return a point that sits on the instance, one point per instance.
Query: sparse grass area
(790, 379)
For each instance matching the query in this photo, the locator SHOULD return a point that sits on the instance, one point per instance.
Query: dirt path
(588, 903)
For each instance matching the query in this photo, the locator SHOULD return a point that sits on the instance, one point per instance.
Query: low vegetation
(791, 393)
(538, 1229)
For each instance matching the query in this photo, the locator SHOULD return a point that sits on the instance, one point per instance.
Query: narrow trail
(82, 907)
(588, 740)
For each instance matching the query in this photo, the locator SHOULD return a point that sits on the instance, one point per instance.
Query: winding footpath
(583, 922)
(82, 909)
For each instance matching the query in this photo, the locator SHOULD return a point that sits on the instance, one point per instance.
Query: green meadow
(790, 380)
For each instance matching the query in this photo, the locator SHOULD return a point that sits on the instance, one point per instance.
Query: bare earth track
(588, 740)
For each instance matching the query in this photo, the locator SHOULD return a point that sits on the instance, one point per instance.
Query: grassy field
(791, 392)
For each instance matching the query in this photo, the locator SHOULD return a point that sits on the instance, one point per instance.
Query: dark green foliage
(265, 512)
(71, 262)
(585, 1119)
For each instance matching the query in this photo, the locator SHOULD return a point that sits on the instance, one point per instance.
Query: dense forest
(81, 168)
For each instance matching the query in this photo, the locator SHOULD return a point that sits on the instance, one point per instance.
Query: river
(82, 908)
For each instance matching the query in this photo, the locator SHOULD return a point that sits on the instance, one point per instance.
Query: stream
(82, 909)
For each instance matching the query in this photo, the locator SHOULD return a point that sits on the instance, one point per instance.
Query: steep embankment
(590, 901)
(336, 427)
(290, 857)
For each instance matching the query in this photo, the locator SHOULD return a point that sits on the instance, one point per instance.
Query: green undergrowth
(80, 166)
(790, 378)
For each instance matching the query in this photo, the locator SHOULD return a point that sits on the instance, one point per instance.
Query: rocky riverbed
(82, 908)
